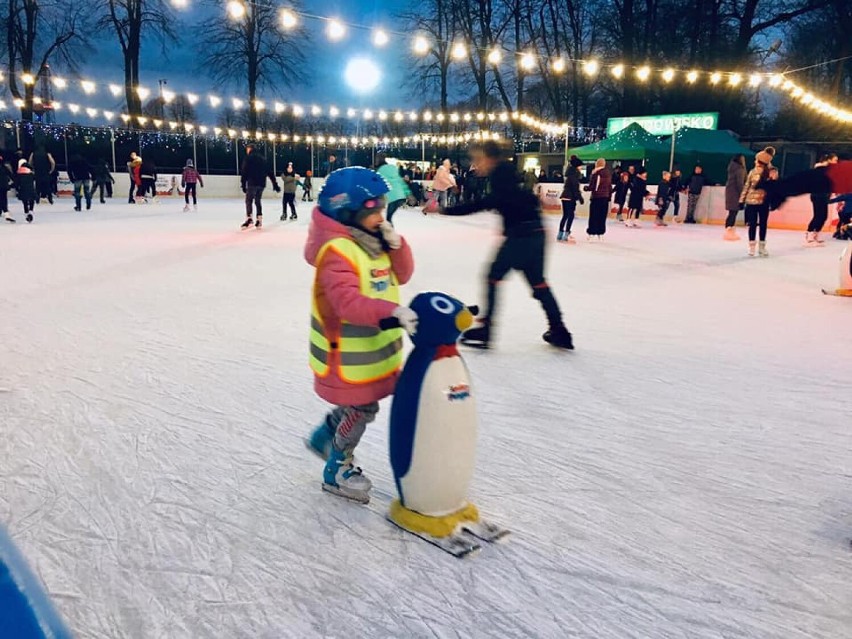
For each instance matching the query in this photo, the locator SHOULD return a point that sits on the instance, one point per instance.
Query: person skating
(308, 186)
(733, 189)
(443, 181)
(190, 180)
(134, 166)
(663, 198)
(754, 198)
(620, 190)
(289, 182)
(819, 202)
(7, 180)
(523, 248)
(600, 187)
(148, 180)
(696, 183)
(102, 180)
(638, 194)
(399, 190)
(360, 262)
(676, 188)
(570, 196)
(253, 175)
(844, 216)
(44, 167)
(80, 175)
(25, 186)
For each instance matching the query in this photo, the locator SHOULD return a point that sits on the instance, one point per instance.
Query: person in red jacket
(600, 186)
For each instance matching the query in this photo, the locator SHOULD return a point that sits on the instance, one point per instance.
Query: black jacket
(621, 189)
(571, 190)
(148, 170)
(638, 191)
(255, 171)
(697, 181)
(519, 208)
(78, 169)
(7, 178)
(664, 191)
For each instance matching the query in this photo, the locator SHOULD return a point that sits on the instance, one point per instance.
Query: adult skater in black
(253, 176)
(523, 248)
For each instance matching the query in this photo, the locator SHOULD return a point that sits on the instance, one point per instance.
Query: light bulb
(335, 29)
(459, 51)
(643, 73)
(692, 76)
(668, 75)
(421, 45)
(380, 37)
(288, 19)
(755, 79)
(715, 77)
(494, 56)
(528, 61)
(236, 9)
(558, 65)
(735, 79)
(618, 70)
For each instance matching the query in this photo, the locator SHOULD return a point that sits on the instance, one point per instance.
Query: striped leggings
(348, 424)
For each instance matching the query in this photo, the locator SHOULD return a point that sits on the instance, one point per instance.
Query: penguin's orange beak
(464, 320)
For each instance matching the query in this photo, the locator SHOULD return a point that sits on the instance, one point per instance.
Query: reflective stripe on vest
(358, 354)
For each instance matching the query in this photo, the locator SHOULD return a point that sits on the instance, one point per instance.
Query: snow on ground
(685, 473)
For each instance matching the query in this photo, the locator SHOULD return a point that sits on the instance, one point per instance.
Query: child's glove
(407, 319)
(390, 235)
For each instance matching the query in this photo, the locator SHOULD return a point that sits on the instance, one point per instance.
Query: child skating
(755, 201)
(360, 262)
(636, 203)
(190, 179)
(523, 248)
(25, 185)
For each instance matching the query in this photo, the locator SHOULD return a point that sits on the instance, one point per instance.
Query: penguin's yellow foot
(435, 526)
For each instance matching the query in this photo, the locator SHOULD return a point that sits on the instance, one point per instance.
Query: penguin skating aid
(845, 289)
(433, 428)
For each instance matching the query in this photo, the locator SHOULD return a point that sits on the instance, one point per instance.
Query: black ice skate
(559, 337)
(249, 222)
(479, 337)
(29, 217)
(294, 217)
(259, 223)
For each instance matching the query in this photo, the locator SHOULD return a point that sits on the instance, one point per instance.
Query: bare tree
(254, 52)
(434, 20)
(35, 34)
(130, 20)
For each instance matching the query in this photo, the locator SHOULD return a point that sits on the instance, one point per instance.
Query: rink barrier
(795, 215)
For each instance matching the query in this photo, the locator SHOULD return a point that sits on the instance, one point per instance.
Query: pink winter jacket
(444, 180)
(338, 291)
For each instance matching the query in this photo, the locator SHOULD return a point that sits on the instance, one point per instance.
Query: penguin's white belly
(444, 443)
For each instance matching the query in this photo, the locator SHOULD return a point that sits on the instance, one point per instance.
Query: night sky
(325, 61)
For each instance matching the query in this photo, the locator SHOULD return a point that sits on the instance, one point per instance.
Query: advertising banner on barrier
(166, 184)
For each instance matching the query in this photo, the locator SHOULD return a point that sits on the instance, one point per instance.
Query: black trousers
(525, 254)
(190, 188)
(598, 209)
(731, 220)
(757, 215)
(392, 208)
(254, 195)
(569, 207)
(4, 200)
(820, 216)
(289, 200)
(101, 188)
(132, 192)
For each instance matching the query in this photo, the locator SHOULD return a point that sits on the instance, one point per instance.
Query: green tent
(635, 144)
(712, 149)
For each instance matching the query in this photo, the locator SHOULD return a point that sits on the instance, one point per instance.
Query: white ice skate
(342, 477)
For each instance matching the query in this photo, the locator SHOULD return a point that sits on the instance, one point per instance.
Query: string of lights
(336, 29)
(190, 130)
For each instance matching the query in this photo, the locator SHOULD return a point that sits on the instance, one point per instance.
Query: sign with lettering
(665, 124)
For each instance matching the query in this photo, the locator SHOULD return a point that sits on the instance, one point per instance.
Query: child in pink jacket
(360, 262)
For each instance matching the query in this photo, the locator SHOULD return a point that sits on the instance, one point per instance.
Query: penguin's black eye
(442, 305)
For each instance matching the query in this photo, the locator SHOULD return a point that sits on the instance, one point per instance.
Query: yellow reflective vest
(358, 354)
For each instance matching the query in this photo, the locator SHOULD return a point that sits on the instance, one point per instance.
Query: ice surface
(685, 473)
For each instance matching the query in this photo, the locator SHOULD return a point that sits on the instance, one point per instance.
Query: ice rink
(685, 473)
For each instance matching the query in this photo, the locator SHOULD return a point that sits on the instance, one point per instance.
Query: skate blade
(482, 346)
(839, 292)
(457, 544)
(486, 531)
(358, 496)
